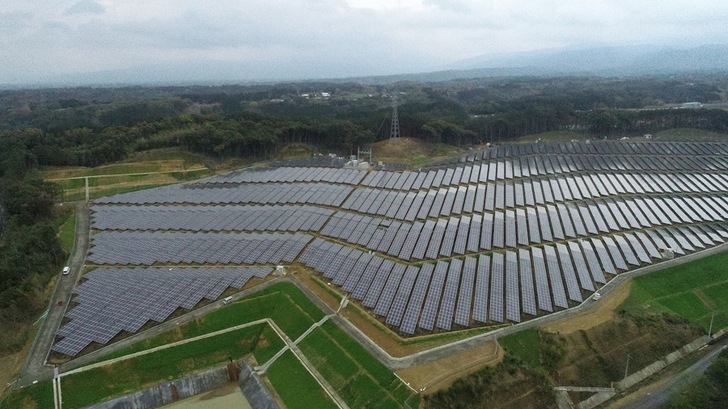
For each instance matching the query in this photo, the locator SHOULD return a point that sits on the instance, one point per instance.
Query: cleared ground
(411, 151)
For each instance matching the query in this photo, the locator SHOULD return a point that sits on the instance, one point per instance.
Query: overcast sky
(328, 38)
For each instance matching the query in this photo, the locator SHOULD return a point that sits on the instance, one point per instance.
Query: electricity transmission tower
(394, 130)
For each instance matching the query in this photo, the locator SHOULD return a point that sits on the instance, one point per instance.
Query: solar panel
(496, 306)
(638, 248)
(449, 295)
(557, 283)
(465, 296)
(580, 265)
(527, 285)
(429, 311)
(377, 285)
(480, 302)
(404, 290)
(629, 254)
(486, 234)
(572, 284)
(414, 307)
(513, 301)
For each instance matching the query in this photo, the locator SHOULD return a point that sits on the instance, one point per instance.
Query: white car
(66, 270)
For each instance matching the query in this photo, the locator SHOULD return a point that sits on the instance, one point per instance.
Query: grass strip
(296, 386)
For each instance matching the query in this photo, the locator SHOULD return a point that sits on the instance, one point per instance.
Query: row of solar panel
(297, 174)
(477, 198)
(476, 233)
(619, 148)
(498, 287)
(525, 167)
(113, 300)
(272, 193)
(148, 248)
(210, 218)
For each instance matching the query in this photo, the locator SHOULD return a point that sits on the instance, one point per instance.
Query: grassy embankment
(148, 169)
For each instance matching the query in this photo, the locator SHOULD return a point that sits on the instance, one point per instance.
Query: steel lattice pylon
(394, 131)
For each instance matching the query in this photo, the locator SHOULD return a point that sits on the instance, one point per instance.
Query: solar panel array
(208, 193)
(125, 299)
(148, 248)
(298, 174)
(500, 235)
(211, 218)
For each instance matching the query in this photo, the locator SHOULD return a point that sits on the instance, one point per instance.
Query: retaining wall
(170, 391)
(255, 391)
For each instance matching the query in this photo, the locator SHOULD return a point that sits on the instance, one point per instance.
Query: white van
(66, 270)
(227, 300)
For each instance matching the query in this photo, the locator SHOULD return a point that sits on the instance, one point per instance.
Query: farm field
(694, 291)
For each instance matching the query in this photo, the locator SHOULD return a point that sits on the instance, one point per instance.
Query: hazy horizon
(289, 40)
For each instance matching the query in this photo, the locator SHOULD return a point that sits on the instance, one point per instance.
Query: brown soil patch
(378, 332)
(598, 356)
(11, 365)
(407, 150)
(603, 311)
(316, 286)
(442, 373)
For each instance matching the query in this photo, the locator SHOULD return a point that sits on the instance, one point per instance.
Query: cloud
(332, 37)
(85, 7)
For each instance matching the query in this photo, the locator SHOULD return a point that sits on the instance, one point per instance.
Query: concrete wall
(658, 365)
(168, 392)
(255, 391)
(164, 393)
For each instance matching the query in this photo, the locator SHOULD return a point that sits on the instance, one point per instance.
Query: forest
(90, 126)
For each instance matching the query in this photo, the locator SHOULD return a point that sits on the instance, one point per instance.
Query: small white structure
(596, 296)
(691, 105)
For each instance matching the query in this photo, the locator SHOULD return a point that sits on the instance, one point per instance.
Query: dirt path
(602, 312)
(440, 374)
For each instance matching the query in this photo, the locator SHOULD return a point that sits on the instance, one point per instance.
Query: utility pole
(626, 369)
(710, 330)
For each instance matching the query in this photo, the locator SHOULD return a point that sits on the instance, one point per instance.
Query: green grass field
(95, 385)
(694, 291)
(145, 170)
(524, 344)
(296, 386)
(688, 134)
(360, 380)
(38, 396)
(67, 231)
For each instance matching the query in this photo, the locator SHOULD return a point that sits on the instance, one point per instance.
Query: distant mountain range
(597, 61)
(609, 60)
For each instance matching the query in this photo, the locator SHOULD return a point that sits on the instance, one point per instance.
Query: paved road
(35, 367)
(661, 396)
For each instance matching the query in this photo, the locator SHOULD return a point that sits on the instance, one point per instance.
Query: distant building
(325, 94)
(691, 105)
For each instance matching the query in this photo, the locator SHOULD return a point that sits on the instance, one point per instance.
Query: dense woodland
(94, 126)
(30, 252)
(89, 127)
